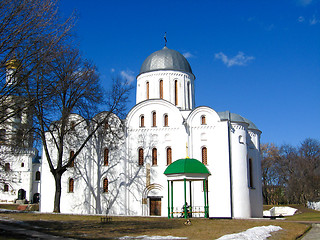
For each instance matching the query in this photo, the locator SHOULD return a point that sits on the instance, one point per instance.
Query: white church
(172, 159)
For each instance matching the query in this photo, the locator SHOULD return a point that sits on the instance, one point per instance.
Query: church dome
(166, 59)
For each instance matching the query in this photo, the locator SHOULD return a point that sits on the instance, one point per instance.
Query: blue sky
(259, 59)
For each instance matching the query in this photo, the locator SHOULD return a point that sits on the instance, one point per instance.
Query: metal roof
(237, 118)
(165, 59)
(186, 165)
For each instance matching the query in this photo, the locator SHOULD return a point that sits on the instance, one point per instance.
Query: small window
(161, 89)
(71, 157)
(38, 176)
(6, 188)
(147, 89)
(2, 135)
(203, 120)
(141, 121)
(154, 119)
(106, 126)
(7, 167)
(71, 185)
(154, 157)
(250, 173)
(241, 139)
(22, 164)
(106, 157)
(176, 92)
(72, 125)
(140, 160)
(105, 185)
(166, 120)
(204, 155)
(169, 156)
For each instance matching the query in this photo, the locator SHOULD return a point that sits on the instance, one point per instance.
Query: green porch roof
(186, 165)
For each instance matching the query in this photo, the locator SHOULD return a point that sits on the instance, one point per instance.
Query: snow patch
(256, 233)
(146, 237)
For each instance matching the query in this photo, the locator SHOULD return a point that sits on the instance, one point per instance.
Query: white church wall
(19, 176)
(240, 192)
(256, 200)
(185, 97)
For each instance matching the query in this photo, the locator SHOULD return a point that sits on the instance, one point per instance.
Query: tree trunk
(57, 196)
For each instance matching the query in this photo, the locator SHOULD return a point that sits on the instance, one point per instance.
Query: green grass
(90, 227)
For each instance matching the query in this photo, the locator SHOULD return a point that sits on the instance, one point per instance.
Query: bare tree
(291, 174)
(31, 32)
(69, 85)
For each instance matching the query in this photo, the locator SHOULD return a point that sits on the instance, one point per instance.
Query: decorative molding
(163, 73)
(203, 127)
(153, 129)
(238, 127)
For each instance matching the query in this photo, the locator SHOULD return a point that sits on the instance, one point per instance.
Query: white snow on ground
(256, 233)
(146, 237)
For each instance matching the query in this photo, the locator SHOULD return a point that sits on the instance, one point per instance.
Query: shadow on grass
(97, 230)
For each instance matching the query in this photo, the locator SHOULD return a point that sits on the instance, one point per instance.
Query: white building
(20, 173)
(125, 176)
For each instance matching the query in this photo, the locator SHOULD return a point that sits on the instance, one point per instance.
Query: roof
(186, 165)
(165, 59)
(237, 118)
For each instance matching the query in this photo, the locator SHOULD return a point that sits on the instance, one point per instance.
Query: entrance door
(155, 206)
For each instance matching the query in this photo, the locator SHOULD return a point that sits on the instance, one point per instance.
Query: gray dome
(165, 59)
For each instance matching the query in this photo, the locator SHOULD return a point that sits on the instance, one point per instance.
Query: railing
(194, 211)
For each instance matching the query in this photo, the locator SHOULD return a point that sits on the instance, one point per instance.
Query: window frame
(140, 156)
(204, 155)
(105, 186)
(38, 176)
(169, 155)
(165, 120)
(154, 157)
(71, 185)
(106, 157)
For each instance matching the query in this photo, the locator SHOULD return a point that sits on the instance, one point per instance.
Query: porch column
(171, 199)
(185, 198)
(168, 199)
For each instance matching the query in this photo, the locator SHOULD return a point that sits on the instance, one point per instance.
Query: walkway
(314, 233)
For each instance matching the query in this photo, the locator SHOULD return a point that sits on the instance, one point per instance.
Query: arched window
(161, 89)
(71, 185)
(106, 157)
(203, 120)
(106, 126)
(169, 156)
(6, 188)
(141, 121)
(72, 125)
(140, 160)
(204, 155)
(7, 167)
(250, 173)
(38, 175)
(105, 185)
(147, 89)
(71, 157)
(176, 92)
(154, 157)
(154, 119)
(166, 120)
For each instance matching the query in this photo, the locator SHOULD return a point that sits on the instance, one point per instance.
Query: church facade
(124, 174)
